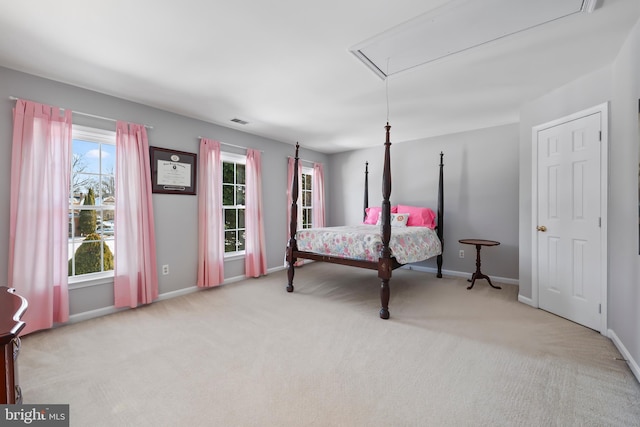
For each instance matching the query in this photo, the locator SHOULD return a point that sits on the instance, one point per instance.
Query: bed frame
(386, 263)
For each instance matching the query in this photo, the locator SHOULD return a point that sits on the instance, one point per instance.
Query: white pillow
(397, 219)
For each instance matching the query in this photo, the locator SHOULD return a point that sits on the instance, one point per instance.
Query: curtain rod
(13, 98)
(302, 160)
(231, 145)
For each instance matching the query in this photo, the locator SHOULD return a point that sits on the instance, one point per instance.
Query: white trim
(633, 365)
(233, 157)
(497, 279)
(603, 110)
(92, 314)
(92, 279)
(90, 134)
(526, 301)
(234, 256)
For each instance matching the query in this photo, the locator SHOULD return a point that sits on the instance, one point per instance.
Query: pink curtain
(39, 208)
(136, 274)
(210, 224)
(255, 253)
(318, 196)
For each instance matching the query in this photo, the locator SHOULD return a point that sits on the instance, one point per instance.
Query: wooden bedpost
(366, 190)
(440, 230)
(384, 263)
(293, 245)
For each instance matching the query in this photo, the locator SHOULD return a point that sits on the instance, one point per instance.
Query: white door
(569, 219)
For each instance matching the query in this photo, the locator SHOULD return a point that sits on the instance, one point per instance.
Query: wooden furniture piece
(12, 307)
(386, 262)
(479, 243)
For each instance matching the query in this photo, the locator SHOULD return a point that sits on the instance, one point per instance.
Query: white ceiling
(285, 67)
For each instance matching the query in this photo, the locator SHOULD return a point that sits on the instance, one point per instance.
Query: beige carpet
(251, 354)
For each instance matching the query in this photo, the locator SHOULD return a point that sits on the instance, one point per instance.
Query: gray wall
(480, 188)
(175, 215)
(618, 84)
(624, 261)
(585, 92)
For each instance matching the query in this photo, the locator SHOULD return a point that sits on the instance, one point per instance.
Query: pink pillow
(373, 214)
(419, 217)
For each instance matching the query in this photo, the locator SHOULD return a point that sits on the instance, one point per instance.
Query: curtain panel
(255, 252)
(318, 215)
(39, 207)
(210, 223)
(136, 274)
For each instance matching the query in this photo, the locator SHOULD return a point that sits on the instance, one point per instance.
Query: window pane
(82, 182)
(305, 216)
(87, 222)
(240, 173)
(229, 241)
(108, 190)
(227, 173)
(230, 219)
(241, 240)
(240, 218)
(105, 223)
(307, 198)
(108, 159)
(73, 223)
(108, 215)
(307, 181)
(227, 195)
(240, 191)
(86, 156)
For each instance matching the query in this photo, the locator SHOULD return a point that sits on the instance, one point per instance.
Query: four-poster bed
(426, 241)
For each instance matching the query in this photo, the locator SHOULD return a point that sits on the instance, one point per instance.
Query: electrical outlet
(461, 253)
(165, 269)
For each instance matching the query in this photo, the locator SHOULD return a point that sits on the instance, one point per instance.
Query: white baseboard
(184, 291)
(92, 314)
(526, 300)
(633, 365)
(497, 279)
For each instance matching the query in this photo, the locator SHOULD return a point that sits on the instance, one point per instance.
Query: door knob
(541, 228)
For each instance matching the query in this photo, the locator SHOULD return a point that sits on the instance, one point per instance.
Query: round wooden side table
(479, 243)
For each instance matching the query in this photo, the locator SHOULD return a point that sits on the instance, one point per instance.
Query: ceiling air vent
(239, 121)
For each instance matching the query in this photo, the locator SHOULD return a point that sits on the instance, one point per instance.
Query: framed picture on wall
(172, 171)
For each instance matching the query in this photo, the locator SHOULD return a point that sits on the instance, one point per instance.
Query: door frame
(603, 109)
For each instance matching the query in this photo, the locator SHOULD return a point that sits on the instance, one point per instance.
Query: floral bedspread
(364, 242)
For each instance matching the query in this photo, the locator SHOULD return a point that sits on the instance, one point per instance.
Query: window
(233, 203)
(307, 197)
(92, 202)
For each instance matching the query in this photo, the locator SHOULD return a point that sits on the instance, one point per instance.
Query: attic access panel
(457, 26)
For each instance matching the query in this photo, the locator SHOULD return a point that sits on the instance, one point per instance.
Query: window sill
(97, 279)
(234, 257)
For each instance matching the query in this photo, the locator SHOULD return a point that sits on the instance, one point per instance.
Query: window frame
(227, 157)
(99, 136)
(306, 170)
